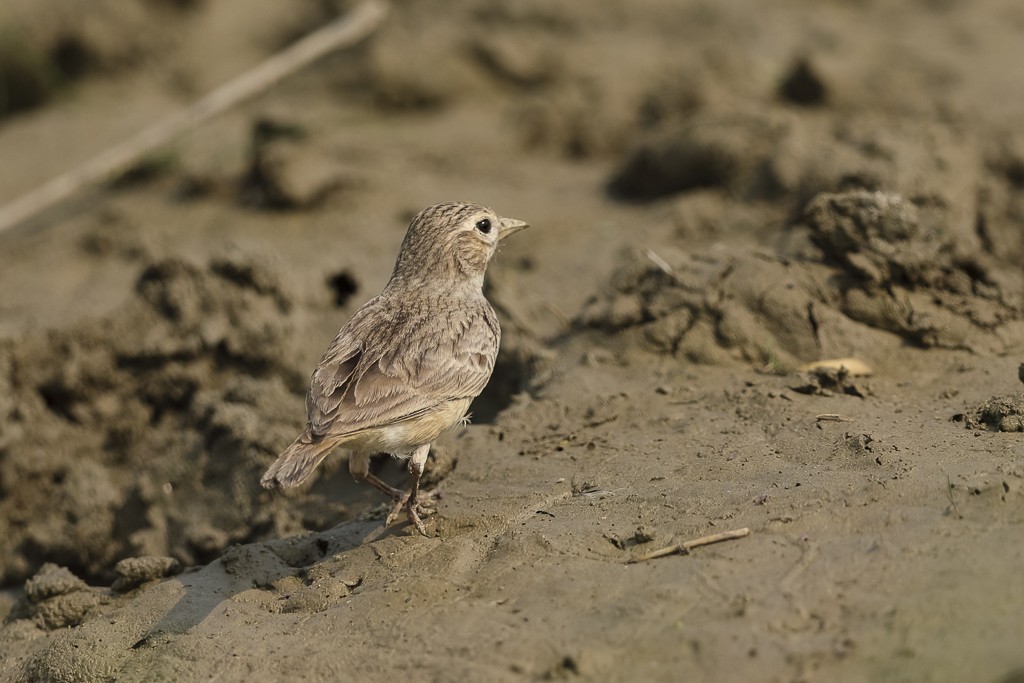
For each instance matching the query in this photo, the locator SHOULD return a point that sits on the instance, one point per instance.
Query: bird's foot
(423, 505)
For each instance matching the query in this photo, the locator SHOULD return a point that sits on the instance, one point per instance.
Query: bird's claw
(423, 505)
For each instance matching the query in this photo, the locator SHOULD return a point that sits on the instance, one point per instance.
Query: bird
(408, 363)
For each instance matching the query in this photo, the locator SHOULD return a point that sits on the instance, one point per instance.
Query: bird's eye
(484, 225)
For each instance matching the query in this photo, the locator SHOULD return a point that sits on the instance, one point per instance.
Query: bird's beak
(510, 226)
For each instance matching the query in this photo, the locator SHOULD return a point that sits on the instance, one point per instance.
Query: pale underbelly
(402, 438)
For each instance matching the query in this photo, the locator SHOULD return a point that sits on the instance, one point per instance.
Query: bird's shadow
(192, 597)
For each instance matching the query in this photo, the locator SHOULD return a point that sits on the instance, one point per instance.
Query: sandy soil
(721, 192)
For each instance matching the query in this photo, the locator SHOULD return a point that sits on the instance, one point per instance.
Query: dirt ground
(720, 193)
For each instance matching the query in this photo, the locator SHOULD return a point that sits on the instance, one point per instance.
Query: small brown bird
(407, 365)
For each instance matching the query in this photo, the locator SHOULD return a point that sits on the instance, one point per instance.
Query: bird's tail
(297, 462)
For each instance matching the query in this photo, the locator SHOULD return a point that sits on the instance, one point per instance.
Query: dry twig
(952, 501)
(686, 546)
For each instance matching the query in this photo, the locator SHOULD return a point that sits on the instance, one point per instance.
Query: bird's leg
(416, 464)
(373, 480)
(359, 468)
(411, 502)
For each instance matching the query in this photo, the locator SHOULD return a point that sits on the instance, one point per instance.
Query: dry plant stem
(952, 501)
(345, 32)
(686, 546)
(831, 417)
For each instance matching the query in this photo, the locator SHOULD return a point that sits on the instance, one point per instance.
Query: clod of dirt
(1003, 413)
(287, 172)
(877, 237)
(803, 85)
(615, 540)
(67, 610)
(52, 580)
(912, 277)
(826, 381)
(855, 367)
(57, 598)
(1020, 372)
(135, 571)
(644, 534)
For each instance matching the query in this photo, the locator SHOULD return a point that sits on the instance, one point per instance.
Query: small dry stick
(952, 501)
(662, 264)
(347, 31)
(831, 417)
(686, 546)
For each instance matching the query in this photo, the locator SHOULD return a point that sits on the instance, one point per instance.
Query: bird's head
(453, 241)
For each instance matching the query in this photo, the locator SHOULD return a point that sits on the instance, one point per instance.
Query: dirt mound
(915, 279)
(999, 413)
(720, 308)
(111, 425)
(883, 235)
(55, 598)
(879, 270)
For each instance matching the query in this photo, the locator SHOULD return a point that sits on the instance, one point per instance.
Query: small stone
(644, 534)
(616, 541)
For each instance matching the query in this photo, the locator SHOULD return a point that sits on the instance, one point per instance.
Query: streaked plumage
(407, 365)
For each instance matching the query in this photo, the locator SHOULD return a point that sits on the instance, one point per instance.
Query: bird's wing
(384, 368)
(332, 377)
